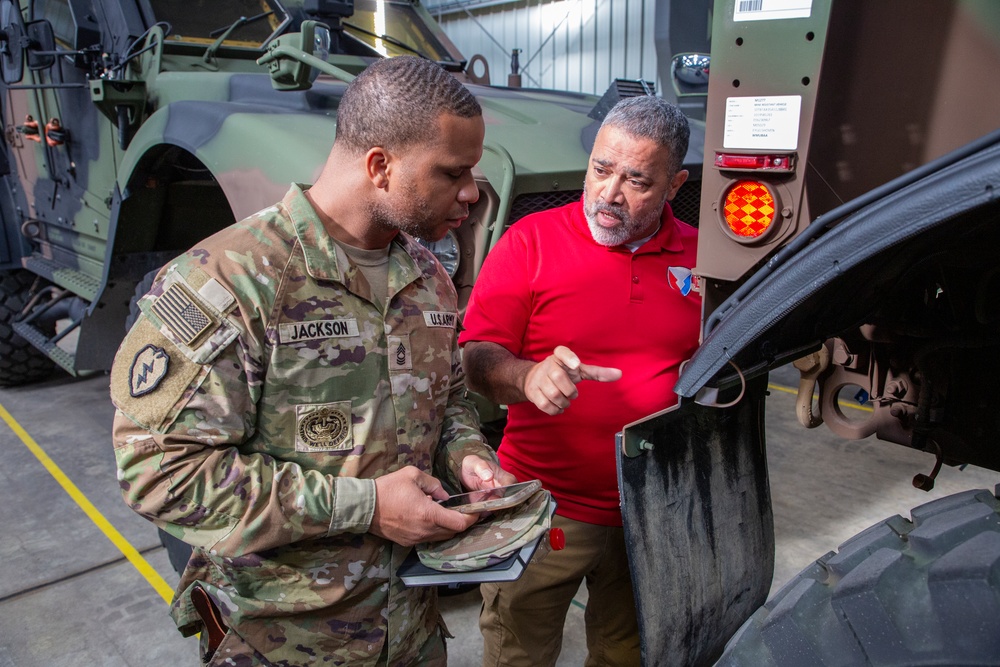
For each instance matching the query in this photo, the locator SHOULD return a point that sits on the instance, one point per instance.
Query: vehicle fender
(253, 153)
(824, 288)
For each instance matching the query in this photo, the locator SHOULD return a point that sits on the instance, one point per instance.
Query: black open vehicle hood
(831, 280)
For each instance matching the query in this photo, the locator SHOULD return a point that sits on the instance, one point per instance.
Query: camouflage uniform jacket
(258, 396)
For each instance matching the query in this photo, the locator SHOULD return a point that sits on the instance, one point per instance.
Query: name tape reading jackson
(296, 331)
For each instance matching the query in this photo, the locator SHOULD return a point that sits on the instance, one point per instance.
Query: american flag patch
(181, 314)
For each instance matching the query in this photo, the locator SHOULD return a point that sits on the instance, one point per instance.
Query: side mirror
(689, 72)
(41, 45)
(12, 42)
(287, 56)
(321, 40)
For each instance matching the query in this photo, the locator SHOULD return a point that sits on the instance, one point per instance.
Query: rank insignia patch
(680, 279)
(400, 355)
(148, 369)
(181, 314)
(327, 427)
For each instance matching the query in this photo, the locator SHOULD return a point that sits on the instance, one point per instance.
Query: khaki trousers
(522, 621)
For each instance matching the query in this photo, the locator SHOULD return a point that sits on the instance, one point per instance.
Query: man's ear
(676, 182)
(377, 166)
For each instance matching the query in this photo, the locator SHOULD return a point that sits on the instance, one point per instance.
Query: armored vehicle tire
(178, 551)
(20, 362)
(919, 592)
(141, 288)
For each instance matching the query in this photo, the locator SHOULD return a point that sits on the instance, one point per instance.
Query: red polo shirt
(547, 283)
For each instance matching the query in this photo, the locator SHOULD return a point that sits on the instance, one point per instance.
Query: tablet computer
(487, 500)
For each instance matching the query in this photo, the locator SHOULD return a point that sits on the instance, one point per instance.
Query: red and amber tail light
(749, 209)
(751, 204)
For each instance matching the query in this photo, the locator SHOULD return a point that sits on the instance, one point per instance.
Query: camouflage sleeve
(460, 434)
(186, 467)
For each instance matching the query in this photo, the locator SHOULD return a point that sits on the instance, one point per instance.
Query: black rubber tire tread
(20, 362)
(178, 551)
(141, 288)
(924, 591)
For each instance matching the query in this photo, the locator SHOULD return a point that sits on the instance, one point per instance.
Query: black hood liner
(836, 282)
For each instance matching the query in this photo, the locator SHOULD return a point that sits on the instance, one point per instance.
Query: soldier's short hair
(395, 102)
(653, 118)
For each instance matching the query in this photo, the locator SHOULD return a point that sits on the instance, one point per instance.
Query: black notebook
(415, 573)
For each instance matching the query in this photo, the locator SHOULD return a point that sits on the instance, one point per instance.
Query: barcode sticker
(766, 10)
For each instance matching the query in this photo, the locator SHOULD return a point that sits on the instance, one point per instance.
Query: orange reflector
(749, 209)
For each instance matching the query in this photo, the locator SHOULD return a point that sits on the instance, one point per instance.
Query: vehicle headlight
(446, 250)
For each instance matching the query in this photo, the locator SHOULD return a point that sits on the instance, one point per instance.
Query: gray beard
(629, 228)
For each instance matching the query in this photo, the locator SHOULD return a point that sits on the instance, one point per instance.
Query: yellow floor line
(133, 556)
(843, 404)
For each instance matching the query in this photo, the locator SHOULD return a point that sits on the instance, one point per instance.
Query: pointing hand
(551, 383)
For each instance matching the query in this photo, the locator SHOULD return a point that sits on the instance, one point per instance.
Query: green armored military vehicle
(135, 128)
(850, 224)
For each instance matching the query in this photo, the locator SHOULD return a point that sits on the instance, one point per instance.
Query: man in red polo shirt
(598, 290)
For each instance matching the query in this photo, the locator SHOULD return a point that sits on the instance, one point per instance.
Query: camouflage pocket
(493, 539)
(234, 650)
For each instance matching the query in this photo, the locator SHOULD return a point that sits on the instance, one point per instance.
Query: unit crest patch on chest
(323, 427)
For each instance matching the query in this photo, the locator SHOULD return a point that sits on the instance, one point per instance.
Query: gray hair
(395, 103)
(653, 118)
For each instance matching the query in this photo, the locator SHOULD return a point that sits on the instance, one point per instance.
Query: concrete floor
(68, 595)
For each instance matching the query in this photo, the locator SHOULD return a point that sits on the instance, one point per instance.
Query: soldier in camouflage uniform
(294, 381)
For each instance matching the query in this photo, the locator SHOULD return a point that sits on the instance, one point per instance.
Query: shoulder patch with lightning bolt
(149, 367)
(152, 378)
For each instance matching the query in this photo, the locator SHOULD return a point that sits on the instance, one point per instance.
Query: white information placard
(766, 10)
(763, 123)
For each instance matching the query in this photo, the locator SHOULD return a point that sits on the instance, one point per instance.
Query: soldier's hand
(551, 383)
(478, 474)
(405, 511)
